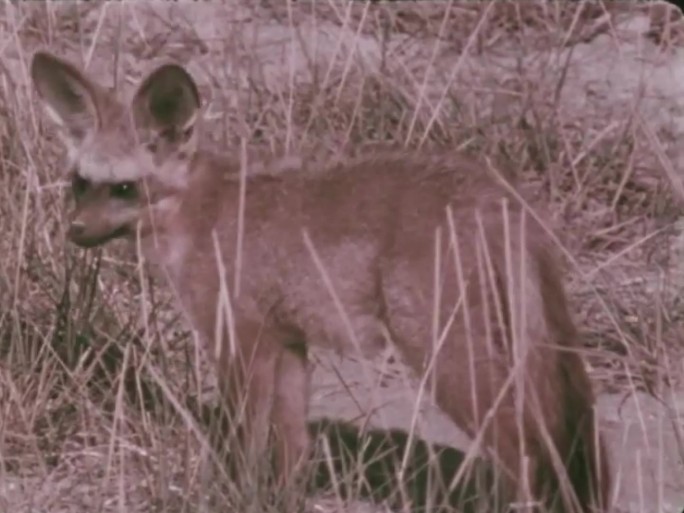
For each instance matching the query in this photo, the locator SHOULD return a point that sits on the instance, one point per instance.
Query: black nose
(76, 230)
(78, 234)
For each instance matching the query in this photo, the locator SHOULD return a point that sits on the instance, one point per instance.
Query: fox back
(433, 253)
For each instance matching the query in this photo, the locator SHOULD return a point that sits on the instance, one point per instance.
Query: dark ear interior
(168, 98)
(70, 96)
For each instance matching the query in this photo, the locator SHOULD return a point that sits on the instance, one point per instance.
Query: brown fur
(499, 347)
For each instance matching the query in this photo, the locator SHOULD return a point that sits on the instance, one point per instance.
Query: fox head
(125, 159)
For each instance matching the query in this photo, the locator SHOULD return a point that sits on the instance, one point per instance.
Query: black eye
(123, 190)
(79, 185)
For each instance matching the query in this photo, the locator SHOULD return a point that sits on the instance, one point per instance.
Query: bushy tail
(579, 443)
(584, 451)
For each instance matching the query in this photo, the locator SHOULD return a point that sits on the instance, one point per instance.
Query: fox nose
(76, 230)
(78, 234)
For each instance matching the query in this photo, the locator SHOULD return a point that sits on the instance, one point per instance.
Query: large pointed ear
(166, 109)
(69, 97)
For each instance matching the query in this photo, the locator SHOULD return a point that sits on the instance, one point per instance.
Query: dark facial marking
(123, 190)
(79, 185)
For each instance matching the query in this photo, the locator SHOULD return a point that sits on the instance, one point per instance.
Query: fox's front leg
(247, 367)
(290, 412)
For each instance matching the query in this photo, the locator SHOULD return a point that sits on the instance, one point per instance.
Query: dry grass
(97, 384)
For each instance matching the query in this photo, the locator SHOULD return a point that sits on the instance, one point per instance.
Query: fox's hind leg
(465, 363)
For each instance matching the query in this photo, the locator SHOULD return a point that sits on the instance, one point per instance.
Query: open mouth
(87, 241)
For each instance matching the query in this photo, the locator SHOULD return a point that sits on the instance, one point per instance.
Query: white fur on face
(102, 168)
(133, 166)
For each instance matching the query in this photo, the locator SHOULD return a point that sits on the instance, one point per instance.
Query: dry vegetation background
(582, 100)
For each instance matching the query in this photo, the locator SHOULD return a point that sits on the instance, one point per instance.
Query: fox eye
(79, 185)
(123, 190)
